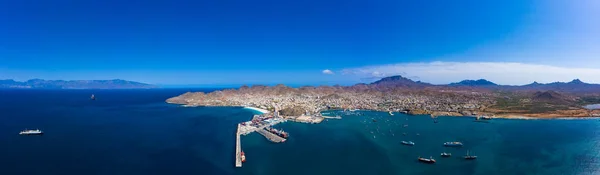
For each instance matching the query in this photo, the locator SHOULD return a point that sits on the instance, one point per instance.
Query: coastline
(496, 116)
(262, 111)
(501, 116)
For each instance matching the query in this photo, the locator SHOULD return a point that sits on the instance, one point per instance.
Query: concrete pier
(272, 137)
(238, 148)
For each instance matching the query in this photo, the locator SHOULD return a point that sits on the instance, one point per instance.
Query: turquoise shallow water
(135, 132)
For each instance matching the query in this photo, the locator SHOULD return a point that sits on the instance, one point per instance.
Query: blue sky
(272, 41)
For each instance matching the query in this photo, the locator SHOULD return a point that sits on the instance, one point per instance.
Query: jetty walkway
(238, 148)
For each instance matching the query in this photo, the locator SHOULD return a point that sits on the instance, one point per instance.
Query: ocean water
(135, 132)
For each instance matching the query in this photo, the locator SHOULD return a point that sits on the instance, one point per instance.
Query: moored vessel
(243, 157)
(445, 154)
(453, 144)
(277, 132)
(31, 132)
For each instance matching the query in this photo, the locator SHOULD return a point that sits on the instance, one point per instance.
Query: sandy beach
(257, 109)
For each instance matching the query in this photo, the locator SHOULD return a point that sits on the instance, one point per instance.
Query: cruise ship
(408, 143)
(453, 144)
(31, 132)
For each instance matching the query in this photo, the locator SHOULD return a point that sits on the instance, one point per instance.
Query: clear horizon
(312, 42)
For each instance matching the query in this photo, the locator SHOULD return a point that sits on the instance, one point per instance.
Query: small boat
(374, 120)
(453, 144)
(486, 118)
(243, 157)
(403, 133)
(469, 157)
(391, 113)
(445, 154)
(418, 134)
(425, 160)
(31, 132)
(410, 143)
(405, 125)
(93, 97)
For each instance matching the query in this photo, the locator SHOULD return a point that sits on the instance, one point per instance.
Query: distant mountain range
(75, 84)
(575, 86)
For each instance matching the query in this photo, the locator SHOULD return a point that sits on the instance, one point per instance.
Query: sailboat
(469, 157)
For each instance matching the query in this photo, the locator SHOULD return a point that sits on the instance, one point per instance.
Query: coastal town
(397, 94)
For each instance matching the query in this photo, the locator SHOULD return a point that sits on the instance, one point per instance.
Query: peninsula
(397, 93)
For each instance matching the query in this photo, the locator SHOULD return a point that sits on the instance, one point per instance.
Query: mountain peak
(576, 81)
(394, 79)
(397, 81)
(480, 82)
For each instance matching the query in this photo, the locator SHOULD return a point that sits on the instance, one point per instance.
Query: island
(400, 94)
(74, 84)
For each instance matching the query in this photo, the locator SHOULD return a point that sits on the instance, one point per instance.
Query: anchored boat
(453, 144)
(445, 154)
(426, 160)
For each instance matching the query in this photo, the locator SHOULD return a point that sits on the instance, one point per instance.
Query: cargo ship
(453, 144)
(31, 132)
(426, 160)
(277, 132)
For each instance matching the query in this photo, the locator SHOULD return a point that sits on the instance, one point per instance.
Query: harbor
(263, 125)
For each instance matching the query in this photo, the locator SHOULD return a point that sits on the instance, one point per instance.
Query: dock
(272, 137)
(238, 148)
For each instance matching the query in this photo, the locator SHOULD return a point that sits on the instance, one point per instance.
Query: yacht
(469, 157)
(31, 132)
(445, 154)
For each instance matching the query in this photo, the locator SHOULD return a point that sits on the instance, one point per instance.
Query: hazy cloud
(510, 73)
(327, 71)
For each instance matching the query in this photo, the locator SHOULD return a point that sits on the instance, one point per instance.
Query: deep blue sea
(135, 132)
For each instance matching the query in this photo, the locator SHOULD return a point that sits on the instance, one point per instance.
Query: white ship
(31, 132)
